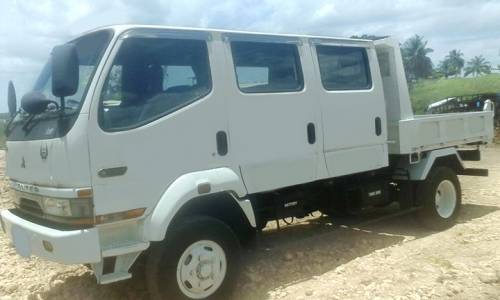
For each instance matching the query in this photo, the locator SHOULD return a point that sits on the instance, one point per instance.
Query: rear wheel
(197, 260)
(440, 197)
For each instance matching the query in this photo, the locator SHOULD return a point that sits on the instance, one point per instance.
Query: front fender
(189, 186)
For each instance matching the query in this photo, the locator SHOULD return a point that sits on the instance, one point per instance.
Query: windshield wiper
(32, 121)
(26, 127)
(58, 113)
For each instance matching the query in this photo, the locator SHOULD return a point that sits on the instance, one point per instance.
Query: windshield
(90, 49)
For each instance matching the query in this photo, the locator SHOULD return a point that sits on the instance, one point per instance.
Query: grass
(425, 92)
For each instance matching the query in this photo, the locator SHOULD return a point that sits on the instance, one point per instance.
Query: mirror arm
(63, 106)
(62, 121)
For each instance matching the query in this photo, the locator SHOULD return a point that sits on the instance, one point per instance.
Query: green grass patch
(425, 92)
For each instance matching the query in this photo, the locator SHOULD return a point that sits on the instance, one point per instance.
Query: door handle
(112, 172)
(311, 133)
(378, 126)
(221, 139)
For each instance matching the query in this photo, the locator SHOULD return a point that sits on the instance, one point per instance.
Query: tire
(440, 198)
(171, 272)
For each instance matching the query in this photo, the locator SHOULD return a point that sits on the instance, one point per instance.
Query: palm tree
(446, 68)
(456, 61)
(417, 63)
(477, 66)
(452, 64)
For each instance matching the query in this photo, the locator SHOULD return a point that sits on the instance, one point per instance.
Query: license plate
(21, 240)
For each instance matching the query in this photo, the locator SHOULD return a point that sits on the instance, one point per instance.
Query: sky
(30, 28)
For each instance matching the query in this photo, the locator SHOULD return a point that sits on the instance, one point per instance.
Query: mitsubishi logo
(44, 152)
(23, 163)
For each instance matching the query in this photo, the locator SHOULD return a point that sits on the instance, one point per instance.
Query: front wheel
(440, 198)
(198, 259)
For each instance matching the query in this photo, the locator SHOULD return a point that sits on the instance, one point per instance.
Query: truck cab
(181, 143)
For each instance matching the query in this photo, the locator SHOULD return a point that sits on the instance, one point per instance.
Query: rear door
(352, 106)
(269, 112)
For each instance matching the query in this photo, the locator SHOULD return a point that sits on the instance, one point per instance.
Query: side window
(344, 68)
(152, 77)
(267, 67)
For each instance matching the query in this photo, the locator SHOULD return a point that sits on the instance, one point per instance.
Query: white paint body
(169, 158)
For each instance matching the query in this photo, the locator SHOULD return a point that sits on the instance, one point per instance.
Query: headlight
(57, 207)
(75, 208)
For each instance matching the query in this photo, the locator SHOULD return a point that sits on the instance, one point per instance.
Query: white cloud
(30, 28)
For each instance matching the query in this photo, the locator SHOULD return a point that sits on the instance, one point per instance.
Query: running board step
(474, 172)
(114, 277)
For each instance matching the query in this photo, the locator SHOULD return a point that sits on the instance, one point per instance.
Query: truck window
(267, 67)
(151, 78)
(344, 68)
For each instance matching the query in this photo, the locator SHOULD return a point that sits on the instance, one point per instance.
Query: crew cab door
(272, 120)
(154, 117)
(352, 106)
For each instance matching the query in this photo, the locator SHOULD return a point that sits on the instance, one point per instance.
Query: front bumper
(116, 243)
(67, 247)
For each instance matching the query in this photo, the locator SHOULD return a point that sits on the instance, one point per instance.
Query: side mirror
(34, 103)
(11, 99)
(64, 70)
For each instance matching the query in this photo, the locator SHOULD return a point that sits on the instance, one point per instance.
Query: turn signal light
(124, 215)
(84, 193)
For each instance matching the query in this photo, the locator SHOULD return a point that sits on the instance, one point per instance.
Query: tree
(446, 68)
(477, 66)
(456, 61)
(452, 64)
(417, 64)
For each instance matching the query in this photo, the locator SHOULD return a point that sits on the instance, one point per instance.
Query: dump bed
(428, 132)
(408, 133)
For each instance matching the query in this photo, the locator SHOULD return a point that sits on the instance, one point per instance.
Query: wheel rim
(201, 269)
(446, 199)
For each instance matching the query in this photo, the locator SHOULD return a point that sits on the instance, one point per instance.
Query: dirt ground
(382, 255)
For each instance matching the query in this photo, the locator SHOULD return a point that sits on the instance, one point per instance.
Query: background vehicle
(186, 142)
(466, 103)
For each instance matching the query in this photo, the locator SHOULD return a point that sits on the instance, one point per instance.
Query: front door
(155, 118)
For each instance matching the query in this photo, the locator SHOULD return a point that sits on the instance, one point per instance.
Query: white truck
(182, 143)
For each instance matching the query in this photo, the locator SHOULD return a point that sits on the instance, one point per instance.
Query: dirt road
(374, 257)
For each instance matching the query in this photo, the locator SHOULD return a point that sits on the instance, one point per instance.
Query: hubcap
(446, 199)
(201, 269)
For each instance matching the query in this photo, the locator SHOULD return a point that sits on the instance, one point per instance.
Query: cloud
(30, 28)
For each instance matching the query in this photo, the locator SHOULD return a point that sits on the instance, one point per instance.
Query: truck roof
(124, 27)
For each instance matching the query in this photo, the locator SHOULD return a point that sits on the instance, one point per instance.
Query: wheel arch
(447, 157)
(222, 206)
(217, 193)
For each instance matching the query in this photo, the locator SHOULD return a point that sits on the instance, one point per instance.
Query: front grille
(30, 206)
